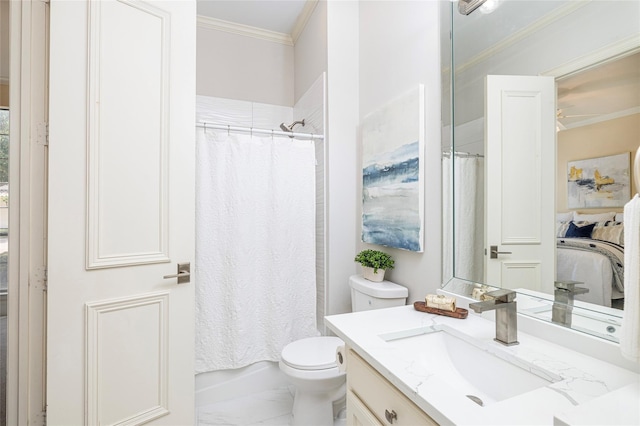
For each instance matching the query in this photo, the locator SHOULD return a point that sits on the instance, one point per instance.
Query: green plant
(375, 259)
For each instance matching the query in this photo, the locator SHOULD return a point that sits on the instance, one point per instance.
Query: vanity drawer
(381, 398)
(358, 414)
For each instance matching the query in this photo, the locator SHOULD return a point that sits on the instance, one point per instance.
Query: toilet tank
(367, 295)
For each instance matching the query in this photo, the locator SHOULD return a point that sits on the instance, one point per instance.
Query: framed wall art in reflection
(392, 173)
(599, 182)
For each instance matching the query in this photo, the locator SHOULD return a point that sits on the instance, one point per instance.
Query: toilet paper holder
(341, 358)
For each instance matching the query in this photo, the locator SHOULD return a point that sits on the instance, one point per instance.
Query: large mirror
(540, 129)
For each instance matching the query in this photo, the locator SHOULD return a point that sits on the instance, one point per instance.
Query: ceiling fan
(560, 115)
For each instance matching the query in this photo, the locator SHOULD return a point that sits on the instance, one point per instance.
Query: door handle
(183, 275)
(494, 252)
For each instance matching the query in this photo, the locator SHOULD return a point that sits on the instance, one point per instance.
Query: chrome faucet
(563, 295)
(506, 314)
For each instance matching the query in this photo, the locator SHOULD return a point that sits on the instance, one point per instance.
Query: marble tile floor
(268, 408)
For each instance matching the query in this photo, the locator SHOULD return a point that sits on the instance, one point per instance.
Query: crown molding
(604, 117)
(244, 30)
(522, 34)
(598, 57)
(303, 18)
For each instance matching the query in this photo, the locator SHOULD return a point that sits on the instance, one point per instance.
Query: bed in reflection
(590, 250)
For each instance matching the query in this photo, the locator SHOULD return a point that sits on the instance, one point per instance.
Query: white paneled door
(520, 173)
(121, 212)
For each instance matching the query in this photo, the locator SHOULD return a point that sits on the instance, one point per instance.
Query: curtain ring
(205, 127)
(271, 134)
(228, 130)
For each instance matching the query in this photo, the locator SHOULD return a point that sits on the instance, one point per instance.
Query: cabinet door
(381, 398)
(358, 414)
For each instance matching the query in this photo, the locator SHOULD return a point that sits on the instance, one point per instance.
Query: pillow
(595, 217)
(619, 217)
(612, 232)
(564, 217)
(602, 224)
(575, 231)
(561, 229)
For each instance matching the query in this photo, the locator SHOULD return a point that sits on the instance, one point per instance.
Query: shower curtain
(255, 247)
(464, 221)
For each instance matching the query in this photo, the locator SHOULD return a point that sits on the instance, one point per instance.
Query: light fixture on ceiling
(559, 126)
(465, 7)
(489, 6)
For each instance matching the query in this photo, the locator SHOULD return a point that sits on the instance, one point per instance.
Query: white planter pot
(368, 274)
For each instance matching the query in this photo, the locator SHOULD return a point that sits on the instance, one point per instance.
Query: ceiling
(593, 95)
(600, 93)
(273, 15)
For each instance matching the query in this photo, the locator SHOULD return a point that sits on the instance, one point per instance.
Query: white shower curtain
(447, 219)
(466, 246)
(255, 247)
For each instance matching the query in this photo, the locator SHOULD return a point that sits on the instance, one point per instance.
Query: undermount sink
(478, 374)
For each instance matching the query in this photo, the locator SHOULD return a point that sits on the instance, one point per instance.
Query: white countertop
(583, 378)
(620, 407)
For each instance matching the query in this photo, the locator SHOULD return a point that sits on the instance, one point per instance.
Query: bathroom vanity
(410, 367)
(371, 397)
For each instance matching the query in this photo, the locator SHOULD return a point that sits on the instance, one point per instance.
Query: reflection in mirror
(4, 200)
(590, 52)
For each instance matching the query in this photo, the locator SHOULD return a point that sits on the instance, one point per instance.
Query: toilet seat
(312, 353)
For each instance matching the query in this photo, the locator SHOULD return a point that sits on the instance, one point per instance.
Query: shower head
(289, 128)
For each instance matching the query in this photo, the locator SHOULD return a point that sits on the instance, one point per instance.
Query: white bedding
(593, 269)
(598, 264)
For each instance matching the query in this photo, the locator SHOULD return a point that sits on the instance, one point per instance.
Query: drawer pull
(391, 416)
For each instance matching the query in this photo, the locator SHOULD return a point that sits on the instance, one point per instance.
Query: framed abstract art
(599, 182)
(392, 173)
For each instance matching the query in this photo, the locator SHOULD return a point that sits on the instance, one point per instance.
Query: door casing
(26, 400)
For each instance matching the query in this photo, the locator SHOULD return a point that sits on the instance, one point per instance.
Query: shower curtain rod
(462, 154)
(204, 125)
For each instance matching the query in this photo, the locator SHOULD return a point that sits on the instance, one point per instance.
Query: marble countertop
(579, 380)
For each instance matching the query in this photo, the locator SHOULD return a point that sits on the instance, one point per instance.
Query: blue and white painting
(392, 173)
(599, 182)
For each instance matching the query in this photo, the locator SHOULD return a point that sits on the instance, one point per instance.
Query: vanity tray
(459, 312)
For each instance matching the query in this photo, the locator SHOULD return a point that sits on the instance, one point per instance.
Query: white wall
(245, 68)
(399, 49)
(341, 146)
(310, 51)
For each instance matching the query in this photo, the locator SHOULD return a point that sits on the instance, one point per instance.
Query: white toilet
(310, 364)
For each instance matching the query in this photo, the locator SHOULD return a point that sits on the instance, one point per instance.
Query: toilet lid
(313, 353)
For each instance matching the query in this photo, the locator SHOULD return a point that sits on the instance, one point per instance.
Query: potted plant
(374, 264)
